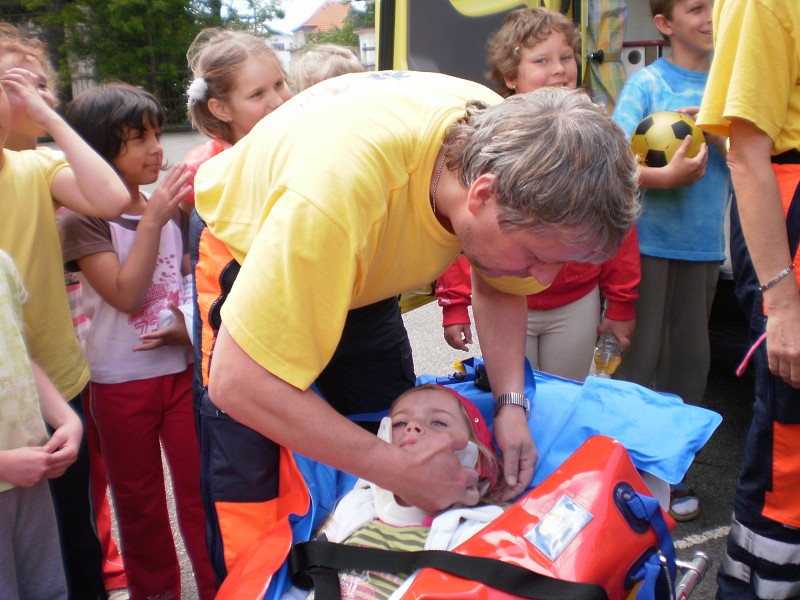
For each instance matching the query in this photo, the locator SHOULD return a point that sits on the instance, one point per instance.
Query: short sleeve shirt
(20, 415)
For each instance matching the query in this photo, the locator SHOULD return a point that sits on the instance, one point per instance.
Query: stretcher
(588, 517)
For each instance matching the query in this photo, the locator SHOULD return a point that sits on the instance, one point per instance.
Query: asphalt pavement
(713, 474)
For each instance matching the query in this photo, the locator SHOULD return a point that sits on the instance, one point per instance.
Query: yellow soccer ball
(658, 136)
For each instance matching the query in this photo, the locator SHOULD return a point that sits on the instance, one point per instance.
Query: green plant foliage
(142, 42)
(343, 37)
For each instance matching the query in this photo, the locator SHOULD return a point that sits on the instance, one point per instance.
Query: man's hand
(435, 479)
(458, 336)
(514, 439)
(783, 342)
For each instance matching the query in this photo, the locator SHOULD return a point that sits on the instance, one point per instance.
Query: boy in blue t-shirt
(681, 238)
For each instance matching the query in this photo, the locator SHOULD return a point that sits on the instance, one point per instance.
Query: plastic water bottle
(165, 318)
(607, 355)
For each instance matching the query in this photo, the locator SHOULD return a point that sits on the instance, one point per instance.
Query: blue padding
(661, 433)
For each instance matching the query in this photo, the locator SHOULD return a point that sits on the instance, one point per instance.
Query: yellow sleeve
(290, 301)
(754, 72)
(518, 286)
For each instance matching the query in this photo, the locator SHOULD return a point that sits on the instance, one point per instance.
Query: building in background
(331, 16)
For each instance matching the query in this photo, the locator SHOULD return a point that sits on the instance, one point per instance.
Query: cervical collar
(386, 507)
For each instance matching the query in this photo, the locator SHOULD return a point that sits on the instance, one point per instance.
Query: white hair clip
(196, 92)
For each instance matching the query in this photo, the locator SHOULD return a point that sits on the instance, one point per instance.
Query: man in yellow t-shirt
(369, 185)
(753, 96)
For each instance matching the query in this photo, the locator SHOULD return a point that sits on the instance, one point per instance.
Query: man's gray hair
(560, 161)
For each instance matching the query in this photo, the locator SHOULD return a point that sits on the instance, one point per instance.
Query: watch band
(513, 398)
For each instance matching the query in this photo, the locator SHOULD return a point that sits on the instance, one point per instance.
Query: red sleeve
(196, 157)
(454, 293)
(619, 279)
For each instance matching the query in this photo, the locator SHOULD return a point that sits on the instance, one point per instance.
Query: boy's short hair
(524, 28)
(662, 7)
(560, 162)
(322, 62)
(104, 115)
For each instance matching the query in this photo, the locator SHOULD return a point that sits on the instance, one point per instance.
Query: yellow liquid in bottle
(606, 363)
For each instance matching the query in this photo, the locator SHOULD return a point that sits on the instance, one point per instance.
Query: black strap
(317, 564)
(790, 157)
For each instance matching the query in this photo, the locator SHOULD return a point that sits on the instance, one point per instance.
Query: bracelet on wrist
(514, 398)
(776, 279)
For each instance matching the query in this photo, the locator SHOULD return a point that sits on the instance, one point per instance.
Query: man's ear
(219, 109)
(663, 25)
(481, 192)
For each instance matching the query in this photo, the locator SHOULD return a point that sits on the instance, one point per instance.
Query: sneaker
(684, 505)
(118, 594)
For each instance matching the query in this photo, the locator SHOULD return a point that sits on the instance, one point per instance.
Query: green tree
(343, 37)
(142, 42)
(250, 14)
(366, 18)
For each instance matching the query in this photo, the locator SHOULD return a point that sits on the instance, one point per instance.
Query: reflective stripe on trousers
(785, 557)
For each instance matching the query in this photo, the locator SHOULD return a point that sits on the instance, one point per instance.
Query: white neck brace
(386, 507)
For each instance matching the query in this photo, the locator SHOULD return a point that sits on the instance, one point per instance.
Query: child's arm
(24, 467)
(712, 139)
(124, 286)
(681, 171)
(90, 186)
(178, 333)
(63, 446)
(454, 293)
(27, 466)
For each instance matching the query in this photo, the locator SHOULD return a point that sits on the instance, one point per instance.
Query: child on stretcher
(372, 517)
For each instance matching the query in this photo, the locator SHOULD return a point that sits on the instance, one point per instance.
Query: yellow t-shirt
(29, 234)
(326, 204)
(755, 71)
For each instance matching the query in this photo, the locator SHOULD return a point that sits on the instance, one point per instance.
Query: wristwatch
(513, 398)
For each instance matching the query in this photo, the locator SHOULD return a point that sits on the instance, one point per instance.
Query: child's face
(21, 125)
(260, 88)
(426, 413)
(139, 160)
(550, 63)
(690, 26)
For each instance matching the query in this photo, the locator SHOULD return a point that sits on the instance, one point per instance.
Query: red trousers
(113, 569)
(135, 420)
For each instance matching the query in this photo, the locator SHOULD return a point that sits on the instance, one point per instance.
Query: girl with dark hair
(132, 269)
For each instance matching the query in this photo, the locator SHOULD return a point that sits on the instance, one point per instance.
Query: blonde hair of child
(322, 62)
(214, 57)
(524, 28)
(14, 41)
